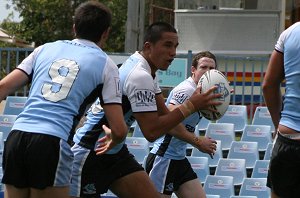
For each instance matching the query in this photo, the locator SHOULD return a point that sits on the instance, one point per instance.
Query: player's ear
(193, 69)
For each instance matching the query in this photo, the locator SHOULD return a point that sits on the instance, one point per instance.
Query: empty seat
(232, 167)
(237, 115)
(255, 187)
(244, 150)
(6, 123)
(258, 133)
(14, 105)
(262, 117)
(260, 169)
(223, 132)
(200, 166)
(139, 147)
(202, 125)
(219, 185)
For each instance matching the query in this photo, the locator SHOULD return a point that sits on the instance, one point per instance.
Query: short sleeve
(140, 89)
(111, 91)
(27, 64)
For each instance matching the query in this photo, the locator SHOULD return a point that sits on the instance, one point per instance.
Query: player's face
(204, 64)
(163, 51)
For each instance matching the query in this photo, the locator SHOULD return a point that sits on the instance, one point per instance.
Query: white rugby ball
(215, 78)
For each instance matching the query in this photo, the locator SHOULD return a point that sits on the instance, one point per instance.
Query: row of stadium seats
(232, 158)
(235, 114)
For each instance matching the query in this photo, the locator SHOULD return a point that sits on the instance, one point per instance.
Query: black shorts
(168, 174)
(93, 174)
(33, 160)
(284, 168)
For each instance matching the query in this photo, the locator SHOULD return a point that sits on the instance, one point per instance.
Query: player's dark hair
(155, 31)
(202, 54)
(91, 19)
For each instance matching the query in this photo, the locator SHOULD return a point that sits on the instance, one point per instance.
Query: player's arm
(156, 124)
(12, 82)
(271, 86)
(206, 145)
(18, 77)
(117, 131)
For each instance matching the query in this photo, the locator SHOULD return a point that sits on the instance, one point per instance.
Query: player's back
(67, 75)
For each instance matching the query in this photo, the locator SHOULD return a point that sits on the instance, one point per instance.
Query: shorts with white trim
(284, 168)
(33, 160)
(168, 174)
(93, 174)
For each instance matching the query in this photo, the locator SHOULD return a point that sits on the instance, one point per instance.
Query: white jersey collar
(191, 80)
(144, 62)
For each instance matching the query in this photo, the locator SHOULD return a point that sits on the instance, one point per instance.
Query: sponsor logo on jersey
(180, 97)
(189, 128)
(145, 97)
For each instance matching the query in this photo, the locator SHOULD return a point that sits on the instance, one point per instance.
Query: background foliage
(45, 21)
(49, 20)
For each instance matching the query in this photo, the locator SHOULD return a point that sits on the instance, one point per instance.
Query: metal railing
(245, 73)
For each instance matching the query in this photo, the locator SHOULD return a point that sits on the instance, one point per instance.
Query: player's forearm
(181, 133)
(13, 81)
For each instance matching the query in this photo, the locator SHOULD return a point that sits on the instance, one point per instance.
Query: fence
(245, 73)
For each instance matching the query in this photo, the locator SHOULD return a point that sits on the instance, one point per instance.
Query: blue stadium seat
(232, 167)
(202, 125)
(258, 133)
(260, 169)
(6, 123)
(139, 147)
(262, 117)
(219, 185)
(14, 105)
(223, 132)
(255, 187)
(237, 115)
(244, 150)
(200, 166)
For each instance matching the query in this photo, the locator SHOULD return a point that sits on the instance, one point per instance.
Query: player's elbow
(267, 87)
(150, 136)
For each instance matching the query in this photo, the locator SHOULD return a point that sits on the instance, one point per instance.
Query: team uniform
(92, 175)
(284, 173)
(166, 164)
(65, 77)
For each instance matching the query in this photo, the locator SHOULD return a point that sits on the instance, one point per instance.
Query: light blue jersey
(289, 44)
(66, 77)
(138, 95)
(168, 146)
